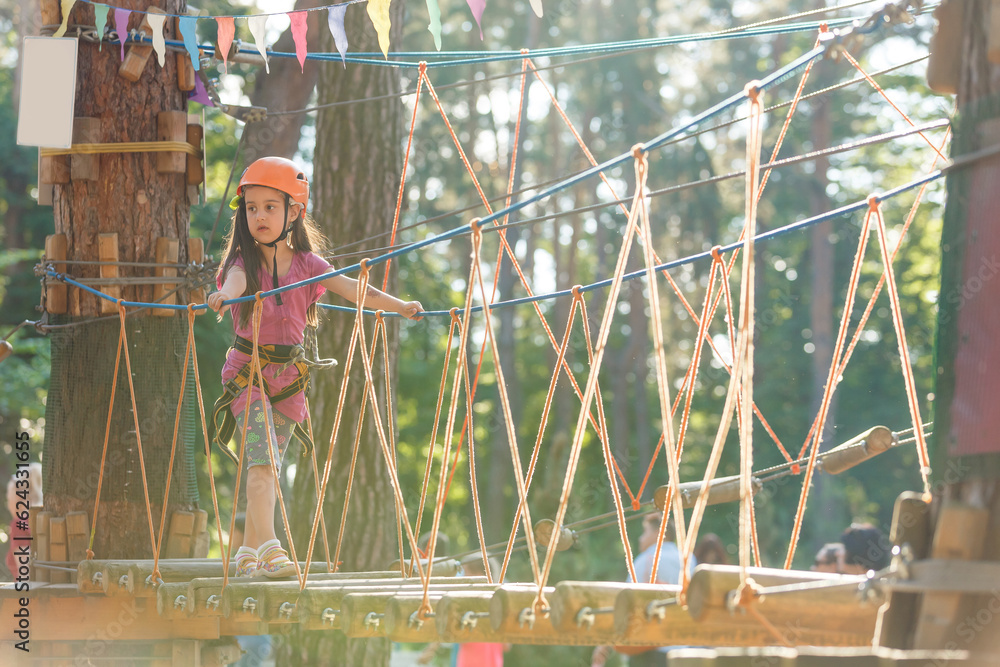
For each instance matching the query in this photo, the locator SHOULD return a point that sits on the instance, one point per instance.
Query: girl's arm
(375, 298)
(232, 288)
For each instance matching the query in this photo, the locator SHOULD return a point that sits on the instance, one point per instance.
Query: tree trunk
(355, 183)
(133, 200)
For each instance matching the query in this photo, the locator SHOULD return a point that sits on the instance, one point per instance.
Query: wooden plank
(167, 252)
(77, 534)
(179, 533)
(200, 541)
(911, 526)
(185, 69)
(186, 653)
(195, 172)
(960, 534)
(196, 255)
(107, 249)
(55, 291)
(85, 167)
(171, 126)
(57, 550)
(137, 55)
(42, 522)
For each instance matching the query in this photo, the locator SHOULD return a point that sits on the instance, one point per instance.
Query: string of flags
(378, 13)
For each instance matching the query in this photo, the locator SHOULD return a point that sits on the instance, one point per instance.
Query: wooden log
(543, 535)
(827, 612)
(84, 167)
(171, 600)
(55, 291)
(114, 578)
(960, 534)
(54, 170)
(137, 580)
(167, 252)
(77, 534)
(90, 576)
(201, 541)
(196, 255)
(648, 615)
(58, 552)
(137, 55)
(107, 250)
(42, 523)
(862, 447)
(179, 535)
(51, 12)
(513, 616)
(911, 526)
(944, 67)
(463, 616)
(720, 490)
(195, 170)
(443, 567)
(585, 606)
(403, 623)
(363, 613)
(171, 126)
(319, 608)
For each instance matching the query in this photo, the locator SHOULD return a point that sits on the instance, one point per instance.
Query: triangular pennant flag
(189, 33)
(537, 6)
(199, 94)
(299, 28)
(227, 29)
(121, 27)
(258, 25)
(67, 7)
(378, 12)
(156, 25)
(100, 22)
(335, 19)
(435, 25)
(477, 7)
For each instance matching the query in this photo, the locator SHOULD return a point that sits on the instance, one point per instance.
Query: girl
(272, 243)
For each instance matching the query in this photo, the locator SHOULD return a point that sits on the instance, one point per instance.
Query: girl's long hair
(305, 236)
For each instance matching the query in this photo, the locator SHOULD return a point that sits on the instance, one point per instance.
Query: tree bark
(133, 200)
(355, 182)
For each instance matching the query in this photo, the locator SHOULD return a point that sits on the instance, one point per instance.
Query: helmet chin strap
(274, 258)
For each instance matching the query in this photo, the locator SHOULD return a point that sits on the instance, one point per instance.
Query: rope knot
(796, 469)
(454, 315)
(748, 593)
(578, 292)
(364, 266)
(476, 224)
(379, 315)
(90, 554)
(753, 90)
(717, 253)
(258, 296)
(873, 202)
(423, 66)
(639, 151)
(636, 505)
(525, 52)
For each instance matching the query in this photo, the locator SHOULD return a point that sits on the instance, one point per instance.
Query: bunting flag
(156, 25)
(435, 25)
(67, 6)
(536, 5)
(477, 7)
(258, 25)
(100, 22)
(121, 27)
(299, 28)
(199, 94)
(335, 19)
(226, 32)
(188, 27)
(378, 12)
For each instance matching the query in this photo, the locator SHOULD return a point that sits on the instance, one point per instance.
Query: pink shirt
(477, 654)
(280, 325)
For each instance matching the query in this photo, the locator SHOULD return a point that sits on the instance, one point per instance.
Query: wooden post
(911, 526)
(77, 532)
(166, 253)
(85, 167)
(55, 291)
(57, 550)
(179, 535)
(42, 522)
(944, 67)
(171, 126)
(107, 248)
(137, 55)
(960, 534)
(201, 539)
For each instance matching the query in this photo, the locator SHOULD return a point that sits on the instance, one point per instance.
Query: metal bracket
(286, 609)
(526, 617)
(656, 609)
(212, 602)
(180, 601)
(372, 620)
(416, 621)
(585, 617)
(97, 579)
(249, 605)
(329, 616)
(471, 618)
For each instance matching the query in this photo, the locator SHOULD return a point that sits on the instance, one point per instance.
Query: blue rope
(690, 259)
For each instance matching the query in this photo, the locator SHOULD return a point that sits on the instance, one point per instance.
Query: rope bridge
(429, 603)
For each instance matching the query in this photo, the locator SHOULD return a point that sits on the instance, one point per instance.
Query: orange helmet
(278, 173)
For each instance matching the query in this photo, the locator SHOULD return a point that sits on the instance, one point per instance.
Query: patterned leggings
(256, 447)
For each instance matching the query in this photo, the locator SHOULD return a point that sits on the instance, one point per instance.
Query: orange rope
(402, 178)
(204, 431)
(902, 113)
(831, 380)
(138, 437)
(104, 451)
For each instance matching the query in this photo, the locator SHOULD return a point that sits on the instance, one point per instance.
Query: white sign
(48, 92)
